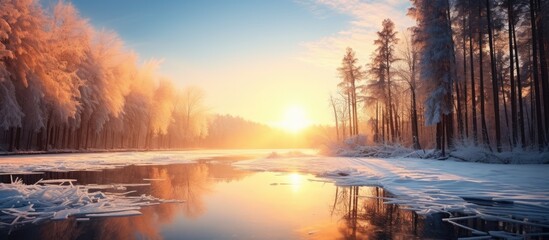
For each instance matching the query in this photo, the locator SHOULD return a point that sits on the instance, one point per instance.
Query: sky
(254, 58)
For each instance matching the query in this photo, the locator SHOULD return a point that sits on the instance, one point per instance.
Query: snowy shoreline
(427, 185)
(465, 152)
(422, 185)
(68, 151)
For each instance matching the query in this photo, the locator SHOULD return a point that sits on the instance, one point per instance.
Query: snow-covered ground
(59, 199)
(424, 185)
(462, 151)
(11, 164)
(428, 185)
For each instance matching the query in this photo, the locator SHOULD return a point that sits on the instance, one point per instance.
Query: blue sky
(253, 58)
(211, 31)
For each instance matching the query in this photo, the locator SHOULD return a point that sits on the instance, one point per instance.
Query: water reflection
(189, 182)
(226, 203)
(366, 216)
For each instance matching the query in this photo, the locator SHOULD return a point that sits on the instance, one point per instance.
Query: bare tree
(410, 57)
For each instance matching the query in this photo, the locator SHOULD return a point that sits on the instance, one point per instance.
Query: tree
(193, 109)
(65, 85)
(161, 110)
(534, 31)
(433, 36)
(336, 120)
(408, 74)
(381, 67)
(494, 77)
(350, 73)
(25, 44)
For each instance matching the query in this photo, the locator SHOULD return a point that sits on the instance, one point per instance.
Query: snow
(23, 164)
(516, 193)
(427, 185)
(462, 151)
(59, 199)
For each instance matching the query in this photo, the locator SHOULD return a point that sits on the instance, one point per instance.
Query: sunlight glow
(295, 180)
(295, 119)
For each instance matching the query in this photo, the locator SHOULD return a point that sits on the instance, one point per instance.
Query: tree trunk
(505, 107)
(473, 94)
(512, 76)
(29, 140)
(519, 90)
(376, 131)
(532, 117)
(391, 122)
(383, 125)
(543, 67)
(64, 141)
(495, 88)
(11, 148)
(86, 146)
(18, 138)
(112, 138)
(79, 135)
(335, 117)
(105, 132)
(484, 130)
(540, 131)
(440, 136)
(47, 142)
(40, 139)
(355, 117)
(350, 113)
(459, 116)
(415, 132)
(466, 117)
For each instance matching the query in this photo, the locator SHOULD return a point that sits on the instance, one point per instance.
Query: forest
(469, 73)
(66, 85)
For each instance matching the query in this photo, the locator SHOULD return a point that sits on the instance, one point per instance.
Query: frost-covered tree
(433, 35)
(10, 111)
(108, 71)
(191, 108)
(24, 46)
(351, 73)
(161, 108)
(65, 85)
(381, 86)
(67, 44)
(138, 104)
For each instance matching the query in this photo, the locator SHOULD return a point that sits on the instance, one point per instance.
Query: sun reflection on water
(296, 180)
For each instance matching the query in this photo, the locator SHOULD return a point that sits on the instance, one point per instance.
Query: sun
(295, 119)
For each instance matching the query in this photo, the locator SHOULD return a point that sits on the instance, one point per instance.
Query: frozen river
(265, 194)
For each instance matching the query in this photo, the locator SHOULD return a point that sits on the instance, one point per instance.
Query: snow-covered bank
(428, 185)
(424, 185)
(21, 204)
(14, 164)
(467, 152)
